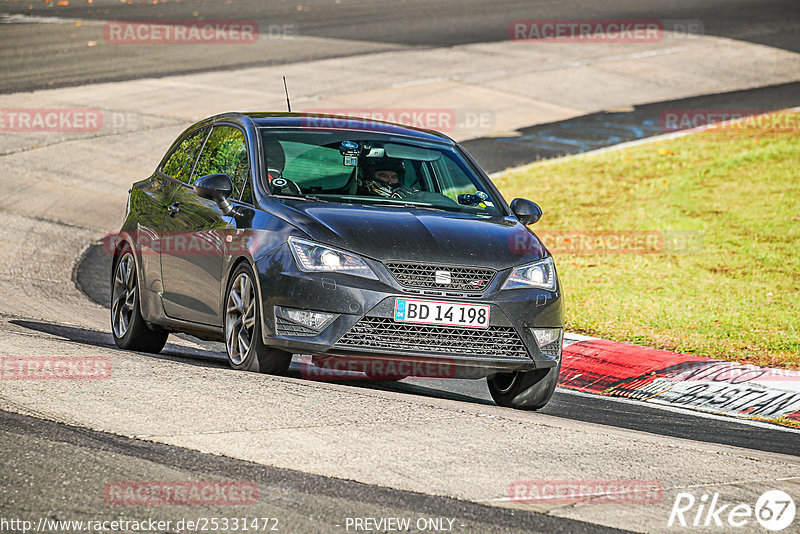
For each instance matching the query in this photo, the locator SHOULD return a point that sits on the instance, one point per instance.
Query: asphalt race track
(301, 502)
(321, 453)
(606, 128)
(35, 59)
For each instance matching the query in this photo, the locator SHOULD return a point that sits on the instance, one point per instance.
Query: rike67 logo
(774, 510)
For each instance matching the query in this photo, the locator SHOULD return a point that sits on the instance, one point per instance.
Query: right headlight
(541, 274)
(314, 257)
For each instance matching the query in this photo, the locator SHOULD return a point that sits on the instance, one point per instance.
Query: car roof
(322, 121)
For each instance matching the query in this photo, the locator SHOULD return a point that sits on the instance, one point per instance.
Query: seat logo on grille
(443, 278)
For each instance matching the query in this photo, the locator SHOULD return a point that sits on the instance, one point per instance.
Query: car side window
(179, 164)
(225, 152)
(451, 179)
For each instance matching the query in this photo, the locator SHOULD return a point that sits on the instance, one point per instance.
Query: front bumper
(365, 328)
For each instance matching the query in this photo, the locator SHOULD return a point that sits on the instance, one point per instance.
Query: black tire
(128, 327)
(242, 322)
(529, 390)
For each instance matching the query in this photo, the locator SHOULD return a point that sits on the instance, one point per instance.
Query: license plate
(441, 313)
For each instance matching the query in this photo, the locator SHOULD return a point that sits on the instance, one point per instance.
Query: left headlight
(541, 274)
(313, 258)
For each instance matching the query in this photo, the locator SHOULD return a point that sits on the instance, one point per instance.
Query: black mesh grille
(288, 328)
(552, 349)
(424, 276)
(380, 333)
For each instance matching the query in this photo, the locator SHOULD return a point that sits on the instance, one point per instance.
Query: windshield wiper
(302, 197)
(399, 203)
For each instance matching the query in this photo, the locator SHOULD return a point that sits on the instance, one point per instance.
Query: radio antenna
(286, 90)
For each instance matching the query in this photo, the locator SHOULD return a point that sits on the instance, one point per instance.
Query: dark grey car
(370, 246)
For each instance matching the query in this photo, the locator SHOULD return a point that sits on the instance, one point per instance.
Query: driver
(384, 177)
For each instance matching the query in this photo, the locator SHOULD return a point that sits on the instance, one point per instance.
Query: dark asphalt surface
(599, 130)
(34, 483)
(52, 55)
(438, 23)
(33, 57)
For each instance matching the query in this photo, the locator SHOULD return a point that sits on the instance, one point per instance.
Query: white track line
(8, 18)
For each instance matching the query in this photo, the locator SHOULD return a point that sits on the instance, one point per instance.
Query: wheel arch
(151, 309)
(116, 254)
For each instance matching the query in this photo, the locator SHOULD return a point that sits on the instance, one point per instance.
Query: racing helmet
(377, 186)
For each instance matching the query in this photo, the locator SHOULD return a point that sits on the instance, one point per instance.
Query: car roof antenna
(288, 104)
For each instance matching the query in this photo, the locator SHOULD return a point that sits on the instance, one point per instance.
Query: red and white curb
(720, 387)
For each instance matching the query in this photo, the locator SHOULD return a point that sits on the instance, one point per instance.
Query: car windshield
(368, 168)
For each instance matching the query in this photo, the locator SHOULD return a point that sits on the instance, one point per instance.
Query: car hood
(417, 234)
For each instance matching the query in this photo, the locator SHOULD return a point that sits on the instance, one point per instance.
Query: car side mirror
(526, 211)
(216, 187)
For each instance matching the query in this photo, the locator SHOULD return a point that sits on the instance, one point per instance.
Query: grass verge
(687, 244)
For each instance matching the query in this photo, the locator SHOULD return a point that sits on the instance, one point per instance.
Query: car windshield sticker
(350, 150)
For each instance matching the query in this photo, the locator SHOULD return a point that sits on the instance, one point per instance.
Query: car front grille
(553, 349)
(284, 327)
(424, 276)
(381, 333)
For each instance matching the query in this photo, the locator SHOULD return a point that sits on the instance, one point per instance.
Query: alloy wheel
(123, 295)
(240, 318)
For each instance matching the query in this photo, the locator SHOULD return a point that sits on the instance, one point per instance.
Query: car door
(194, 231)
(158, 190)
